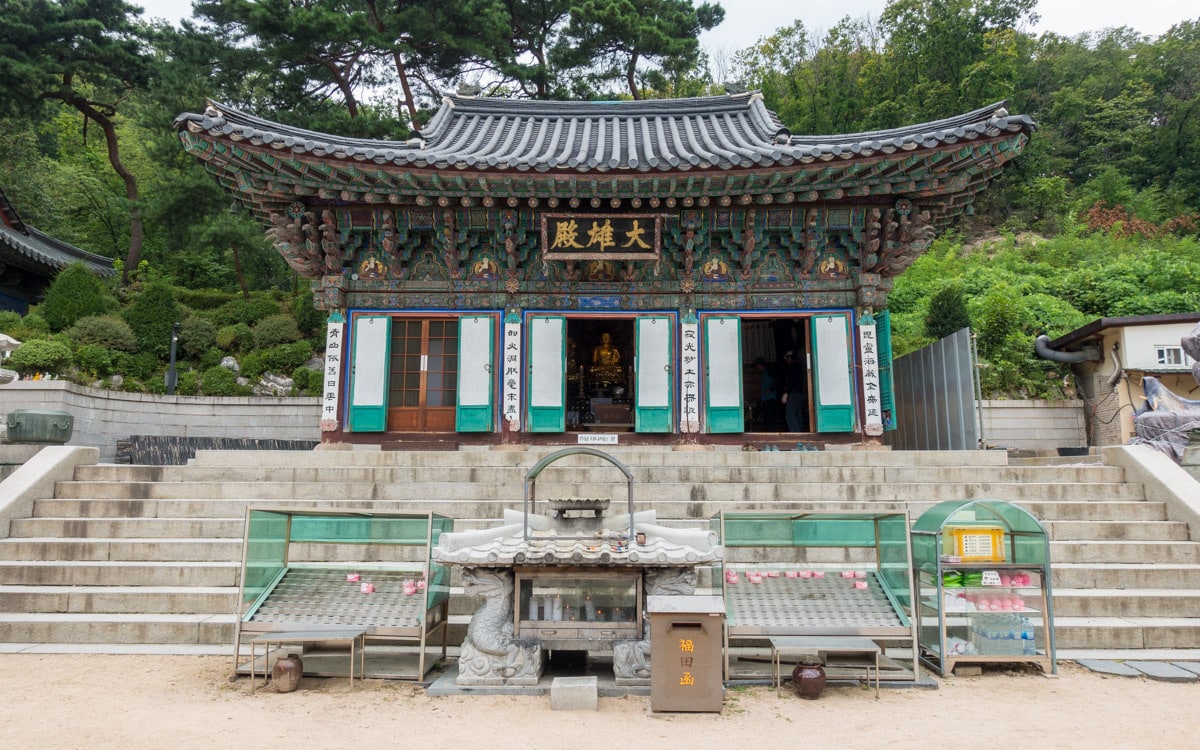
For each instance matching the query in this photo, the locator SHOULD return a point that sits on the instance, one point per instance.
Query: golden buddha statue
(606, 362)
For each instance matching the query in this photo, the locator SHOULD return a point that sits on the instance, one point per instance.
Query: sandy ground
(181, 702)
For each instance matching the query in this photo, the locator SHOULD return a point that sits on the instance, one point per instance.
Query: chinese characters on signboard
(334, 340)
(687, 646)
(689, 381)
(510, 391)
(868, 348)
(591, 236)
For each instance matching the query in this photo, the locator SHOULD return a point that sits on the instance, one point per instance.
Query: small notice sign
(597, 438)
(990, 578)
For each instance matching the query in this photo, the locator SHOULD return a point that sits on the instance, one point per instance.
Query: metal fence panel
(936, 397)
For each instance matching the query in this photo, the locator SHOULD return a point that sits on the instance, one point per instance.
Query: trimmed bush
(40, 355)
(235, 338)
(196, 336)
(94, 360)
(310, 320)
(248, 311)
(205, 299)
(286, 357)
(9, 319)
(251, 365)
(151, 317)
(76, 293)
(32, 326)
(275, 330)
(217, 381)
(140, 366)
(307, 381)
(188, 384)
(107, 331)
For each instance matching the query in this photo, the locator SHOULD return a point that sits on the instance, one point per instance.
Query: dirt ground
(181, 702)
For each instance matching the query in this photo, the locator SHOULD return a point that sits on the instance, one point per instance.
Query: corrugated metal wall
(937, 395)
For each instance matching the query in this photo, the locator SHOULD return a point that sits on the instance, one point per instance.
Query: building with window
(529, 270)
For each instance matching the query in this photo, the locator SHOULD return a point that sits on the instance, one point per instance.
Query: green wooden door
(369, 374)
(654, 342)
(547, 374)
(833, 396)
(723, 405)
(475, 405)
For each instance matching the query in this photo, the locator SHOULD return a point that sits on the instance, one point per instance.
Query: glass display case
(983, 578)
(819, 574)
(309, 570)
(574, 608)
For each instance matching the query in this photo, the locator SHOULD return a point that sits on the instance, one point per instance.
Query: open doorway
(785, 405)
(600, 373)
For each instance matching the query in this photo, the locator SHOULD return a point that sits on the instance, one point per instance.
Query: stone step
(121, 549)
(641, 474)
(119, 599)
(1110, 575)
(463, 510)
(1127, 632)
(1123, 530)
(119, 573)
(628, 455)
(1107, 552)
(665, 492)
(116, 628)
(1125, 602)
(228, 528)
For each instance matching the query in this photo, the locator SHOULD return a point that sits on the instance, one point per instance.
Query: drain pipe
(1042, 346)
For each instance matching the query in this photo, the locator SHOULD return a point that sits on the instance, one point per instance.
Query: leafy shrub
(248, 311)
(151, 317)
(252, 365)
(196, 336)
(307, 381)
(310, 320)
(141, 366)
(217, 381)
(274, 330)
(9, 319)
(76, 293)
(285, 358)
(107, 331)
(32, 326)
(94, 360)
(205, 299)
(40, 355)
(210, 358)
(188, 384)
(235, 338)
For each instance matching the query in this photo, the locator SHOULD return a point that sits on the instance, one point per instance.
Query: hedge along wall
(104, 417)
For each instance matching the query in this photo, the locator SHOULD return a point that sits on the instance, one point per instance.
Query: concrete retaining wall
(1025, 424)
(104, 417)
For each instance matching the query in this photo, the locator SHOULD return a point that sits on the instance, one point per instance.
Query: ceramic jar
(285, 674)
(809, 679)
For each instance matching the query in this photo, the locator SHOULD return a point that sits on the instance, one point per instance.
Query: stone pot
(809, 679)
(286, 673)
(39, 426)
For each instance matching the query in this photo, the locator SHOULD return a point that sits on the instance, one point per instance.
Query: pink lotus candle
(847, 574)
(409, 587)
(792, 574)
(353, 577)
(367, 588)
(818, 574)
(860, 584)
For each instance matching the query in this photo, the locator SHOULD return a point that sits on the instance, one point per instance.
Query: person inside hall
(795, 394)
(768, 394)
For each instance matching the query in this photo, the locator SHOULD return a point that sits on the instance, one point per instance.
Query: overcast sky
(748, 20)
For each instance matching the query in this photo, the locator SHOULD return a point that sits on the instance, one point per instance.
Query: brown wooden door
(424, 375)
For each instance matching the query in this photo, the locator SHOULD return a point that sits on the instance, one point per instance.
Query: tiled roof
(717, 132)
(40, 250)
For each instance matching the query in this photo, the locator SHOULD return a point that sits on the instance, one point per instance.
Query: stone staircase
(147, 557)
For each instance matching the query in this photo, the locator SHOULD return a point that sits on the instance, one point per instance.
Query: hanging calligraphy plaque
(594, 236)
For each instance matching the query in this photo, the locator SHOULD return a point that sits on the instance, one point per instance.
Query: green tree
(947, 313)
(40, 356)
(151, 316)
(75, 293)
(84, 54)
(620, 37)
